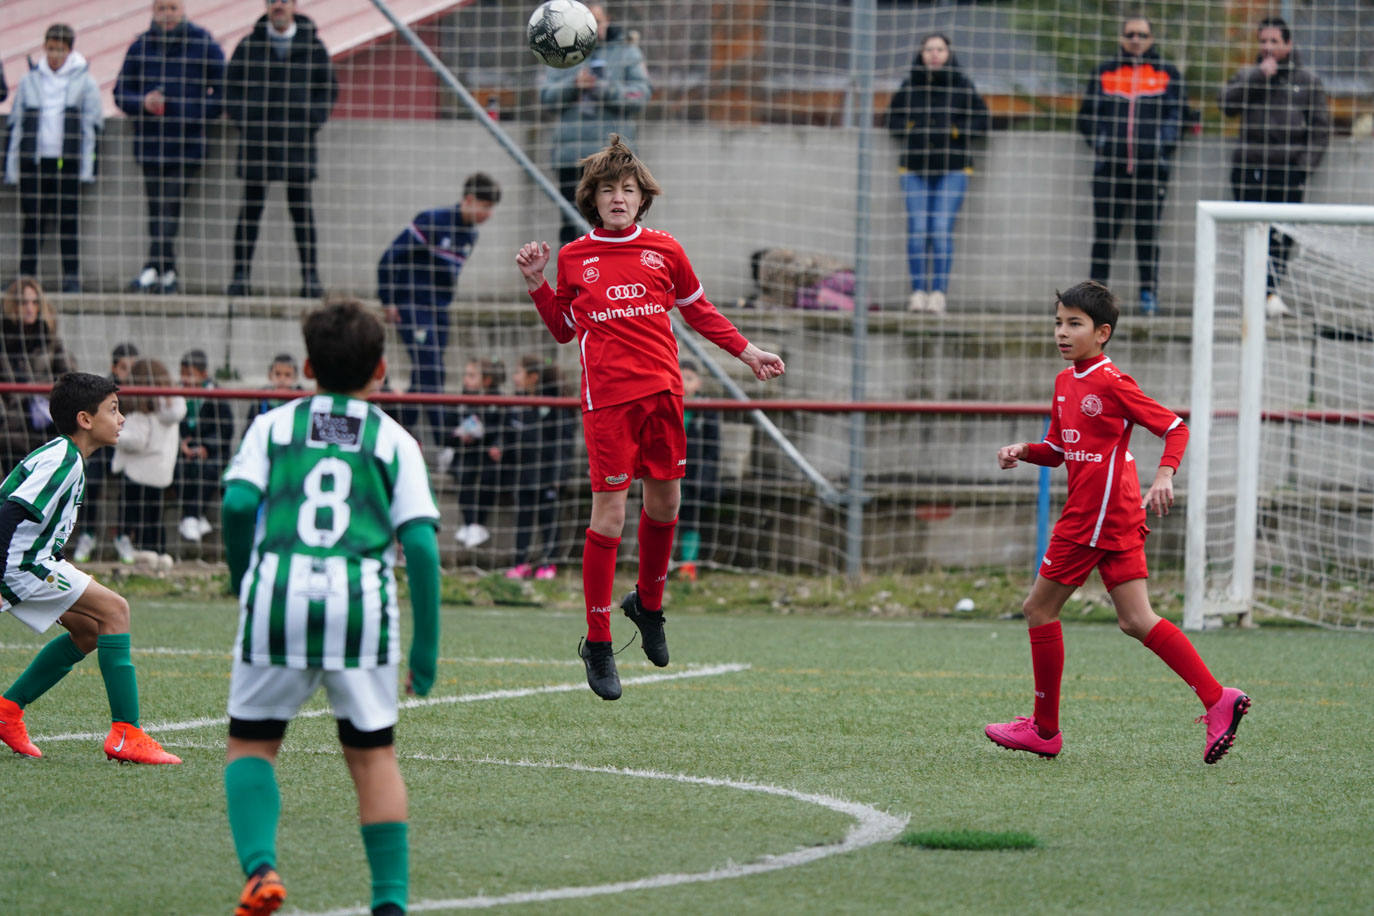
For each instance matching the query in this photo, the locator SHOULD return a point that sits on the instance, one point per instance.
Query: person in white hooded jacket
(146, 454)
(53, 127)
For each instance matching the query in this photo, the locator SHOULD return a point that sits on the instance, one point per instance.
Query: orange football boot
(131, 744)
(12, 730)
(263, 894)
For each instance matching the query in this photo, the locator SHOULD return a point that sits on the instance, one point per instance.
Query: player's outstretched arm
(532, 258)
(1160, 496)
(422, 570)
(764, 364)
(1009, 455)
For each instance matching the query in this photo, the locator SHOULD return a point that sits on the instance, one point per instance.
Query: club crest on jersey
(651, 259)
(1091, 405)
(617, 479)
(591, 275)
(329, 429)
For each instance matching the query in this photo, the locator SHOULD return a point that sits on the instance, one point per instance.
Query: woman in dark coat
(934, 115)
(279, 91)
(32, 354)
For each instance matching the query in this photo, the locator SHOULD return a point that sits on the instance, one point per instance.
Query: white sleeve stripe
(701, 291)
(1055, 447)
(1177, 420)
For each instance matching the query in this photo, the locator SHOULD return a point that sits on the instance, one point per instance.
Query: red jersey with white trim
(1096, 406)
(615, 293)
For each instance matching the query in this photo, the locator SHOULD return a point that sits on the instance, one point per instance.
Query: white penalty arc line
(513, 693)
(871, 827)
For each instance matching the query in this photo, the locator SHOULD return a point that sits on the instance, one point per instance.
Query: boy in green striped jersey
(38, 505)
(314, 501)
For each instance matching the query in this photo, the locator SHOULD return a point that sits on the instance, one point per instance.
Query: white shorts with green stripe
(366, 697)
(37, 601)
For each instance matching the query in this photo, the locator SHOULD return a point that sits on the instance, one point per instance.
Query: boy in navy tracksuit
(416, 279)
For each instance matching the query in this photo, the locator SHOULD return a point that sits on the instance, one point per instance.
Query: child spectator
(33, 354)
(53, 126)
(38, 508)
(277, 520)
(206, 433)
(416, 279)
(477, 450)
(146, 454)
(539, 445)
(1102, 525)
(283, 376)
(701, 485)
(98, 468)
(631, 385)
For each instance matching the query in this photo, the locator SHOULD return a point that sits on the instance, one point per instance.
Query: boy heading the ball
(1102, 526)
(320, 490)
(38, 586)
(617, 286)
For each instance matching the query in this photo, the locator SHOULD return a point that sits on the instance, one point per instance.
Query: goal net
(787, 177)
(1280, 500)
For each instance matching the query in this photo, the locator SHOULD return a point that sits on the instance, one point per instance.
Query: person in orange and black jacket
(1132, 117)
(1285, 126)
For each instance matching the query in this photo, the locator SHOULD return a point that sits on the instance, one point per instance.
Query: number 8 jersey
(338, 478)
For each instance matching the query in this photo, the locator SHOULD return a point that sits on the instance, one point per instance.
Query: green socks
(689, 542)
(50, 665)
(388, 854)
(121, 684)
(254, 804)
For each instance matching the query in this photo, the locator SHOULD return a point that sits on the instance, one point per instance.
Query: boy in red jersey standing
(1102, 526)
(617, 286)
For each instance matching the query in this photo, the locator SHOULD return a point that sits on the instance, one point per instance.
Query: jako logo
(1070, 436)
(626, 291)
(617, 479)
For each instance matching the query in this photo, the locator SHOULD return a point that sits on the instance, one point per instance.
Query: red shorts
(1069, 564)
(642, 438)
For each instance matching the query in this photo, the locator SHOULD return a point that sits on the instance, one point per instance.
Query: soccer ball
(562, 33)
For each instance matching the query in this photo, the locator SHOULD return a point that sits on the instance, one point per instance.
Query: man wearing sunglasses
(1131, 116)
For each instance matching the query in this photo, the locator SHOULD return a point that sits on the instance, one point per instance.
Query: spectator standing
(416, 279)
(1285, 126)
(477, 443)
(933, 115)
(33, 354)
(171, 86)
(146, 454)
(1132, 117)
(605, 95)
(98, 468)
(207, 431)
(539, 446)
(701, 485)
(279, 91)
(51, 153)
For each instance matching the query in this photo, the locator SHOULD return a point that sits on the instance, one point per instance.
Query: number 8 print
(317, 498)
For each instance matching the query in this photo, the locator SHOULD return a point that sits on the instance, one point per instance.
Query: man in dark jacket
(279, 92)
(1285, 125)
(171, 86)
(1131, 116)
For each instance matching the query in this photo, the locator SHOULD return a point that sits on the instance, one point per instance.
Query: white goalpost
(1280, 499)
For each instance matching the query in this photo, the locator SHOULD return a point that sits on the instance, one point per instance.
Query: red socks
(655, 552)
(1047, 665)
(1169, 643)
(598, 583)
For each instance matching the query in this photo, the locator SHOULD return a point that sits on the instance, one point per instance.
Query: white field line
(163, 728)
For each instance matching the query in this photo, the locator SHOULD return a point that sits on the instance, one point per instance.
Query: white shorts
(42, 601)
(366, 697)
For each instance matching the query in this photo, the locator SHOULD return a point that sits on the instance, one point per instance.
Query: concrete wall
(1025, 227)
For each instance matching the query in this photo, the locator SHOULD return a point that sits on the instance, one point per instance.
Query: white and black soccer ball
(562, 33)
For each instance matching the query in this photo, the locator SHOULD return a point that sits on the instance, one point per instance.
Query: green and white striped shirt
(49, 483)
(338, 478)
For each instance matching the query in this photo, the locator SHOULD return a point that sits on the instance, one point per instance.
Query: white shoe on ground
(479, 536)
(85, 546)
(935, 303)
(125, 548)
(204, 524)
(918, 302)
(189, 529)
